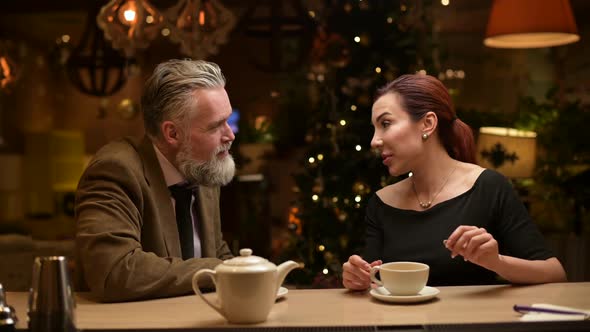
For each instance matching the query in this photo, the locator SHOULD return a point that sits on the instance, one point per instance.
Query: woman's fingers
(355, 273)
(475, 244)
(355, 284)
(357, 261)
(465, 240)
(459, 240)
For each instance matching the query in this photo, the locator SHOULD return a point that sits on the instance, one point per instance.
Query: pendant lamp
(531, 24)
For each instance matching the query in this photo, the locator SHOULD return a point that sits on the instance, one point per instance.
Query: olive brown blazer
(127, 243)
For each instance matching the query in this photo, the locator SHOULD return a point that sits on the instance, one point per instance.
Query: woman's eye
(385, 124)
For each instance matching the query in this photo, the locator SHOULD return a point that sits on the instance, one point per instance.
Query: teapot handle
(196, 278)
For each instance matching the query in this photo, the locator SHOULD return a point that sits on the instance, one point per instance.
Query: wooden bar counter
(329, 308)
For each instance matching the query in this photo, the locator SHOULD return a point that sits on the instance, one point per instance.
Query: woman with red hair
(464, 221)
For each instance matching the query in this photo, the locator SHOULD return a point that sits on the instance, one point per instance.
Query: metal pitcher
(51, 298)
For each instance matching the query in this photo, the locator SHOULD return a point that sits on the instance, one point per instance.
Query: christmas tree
(358, 47)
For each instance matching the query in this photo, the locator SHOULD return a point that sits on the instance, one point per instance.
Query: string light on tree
(343, 123)
(353, 108)
(358, 148)
(321, 247)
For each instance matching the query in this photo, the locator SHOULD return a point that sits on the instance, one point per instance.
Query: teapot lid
(247, 262)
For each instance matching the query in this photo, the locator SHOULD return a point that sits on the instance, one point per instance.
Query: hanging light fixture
(130, 24)
(530, 24)
(200, 26)
(94, 67)
(8, 69)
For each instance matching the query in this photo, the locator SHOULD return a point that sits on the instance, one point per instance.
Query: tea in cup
(401, 278)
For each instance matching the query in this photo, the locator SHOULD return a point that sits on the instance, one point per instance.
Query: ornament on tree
(360, 188)
(340, 214)
(294, 220)
(329, 48)
(318, 186)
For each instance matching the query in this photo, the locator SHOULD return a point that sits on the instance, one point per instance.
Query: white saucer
(282, 292)
(425, 294)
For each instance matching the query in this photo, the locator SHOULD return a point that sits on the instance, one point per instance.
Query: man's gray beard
(211, 173)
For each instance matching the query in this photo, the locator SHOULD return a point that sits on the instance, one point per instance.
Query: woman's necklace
(426, 205)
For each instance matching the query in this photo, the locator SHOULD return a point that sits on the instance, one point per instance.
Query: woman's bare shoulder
(393, 194)
(469, 174)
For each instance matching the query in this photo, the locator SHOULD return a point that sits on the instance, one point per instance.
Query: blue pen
(523, 309)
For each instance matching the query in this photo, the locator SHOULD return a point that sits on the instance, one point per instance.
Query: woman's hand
(475, 245)
(356, 273)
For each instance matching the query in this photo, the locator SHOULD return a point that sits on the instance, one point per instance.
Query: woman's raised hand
(475, 245)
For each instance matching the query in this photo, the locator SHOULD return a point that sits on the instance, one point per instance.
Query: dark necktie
(182, 197)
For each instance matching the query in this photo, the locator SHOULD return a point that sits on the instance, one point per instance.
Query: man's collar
(171, 175)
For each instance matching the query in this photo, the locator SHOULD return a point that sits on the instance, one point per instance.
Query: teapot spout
(283, 270)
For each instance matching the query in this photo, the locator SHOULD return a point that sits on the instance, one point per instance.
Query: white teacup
(401, 278)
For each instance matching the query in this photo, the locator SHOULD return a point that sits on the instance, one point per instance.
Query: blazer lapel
(161, 195)
(206, 228)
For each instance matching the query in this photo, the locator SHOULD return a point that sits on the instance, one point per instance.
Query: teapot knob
(245, 252)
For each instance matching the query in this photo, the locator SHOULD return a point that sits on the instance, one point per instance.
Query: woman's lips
(386, 158)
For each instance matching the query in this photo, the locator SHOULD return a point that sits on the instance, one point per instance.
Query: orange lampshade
(531, 24)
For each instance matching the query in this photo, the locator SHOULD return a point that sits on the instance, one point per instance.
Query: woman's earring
(425, 136)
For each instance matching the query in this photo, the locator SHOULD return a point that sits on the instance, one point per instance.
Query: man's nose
(229, 134)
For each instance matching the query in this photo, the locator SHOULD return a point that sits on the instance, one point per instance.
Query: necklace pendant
(425, 205)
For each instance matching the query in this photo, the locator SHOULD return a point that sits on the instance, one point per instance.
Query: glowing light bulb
(129, 15)
(358, 147)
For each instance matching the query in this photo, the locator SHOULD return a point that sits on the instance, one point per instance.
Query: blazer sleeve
(110, 203)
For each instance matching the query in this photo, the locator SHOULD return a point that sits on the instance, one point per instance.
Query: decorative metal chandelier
(199, 26)
(130, 24)
(94, 67)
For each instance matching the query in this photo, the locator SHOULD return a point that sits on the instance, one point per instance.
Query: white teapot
(246, 286)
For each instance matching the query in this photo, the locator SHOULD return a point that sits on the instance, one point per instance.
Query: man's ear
(171, 133)
(429, 123)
